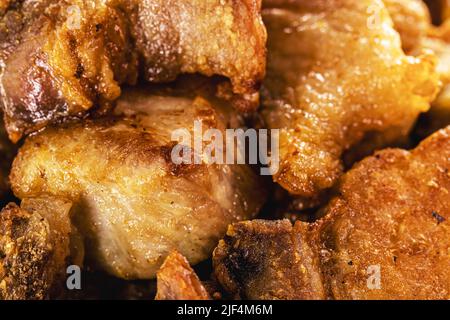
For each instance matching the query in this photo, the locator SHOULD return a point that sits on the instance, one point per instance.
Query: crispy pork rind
(178, 281)
(337, 73)
(35, 247)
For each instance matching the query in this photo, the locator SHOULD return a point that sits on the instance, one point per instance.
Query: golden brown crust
(34, 246)
(411, 19)
(177, 281)
(268, 260)
(63, 58)
(392, 212)
(210, 37)
(328, 86)
(386, 235)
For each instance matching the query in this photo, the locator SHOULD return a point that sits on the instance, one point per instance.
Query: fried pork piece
(439, 115)
(60, 59)
(135, 204)
(262, 260)
(211, 37)
(177, 280)
(337, 73)
(390, 218)
(35, 244)
(411, 19)
(392, 211)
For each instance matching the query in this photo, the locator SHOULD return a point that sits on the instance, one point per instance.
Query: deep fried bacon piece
(262, 260)
(35, 245)
(177, 280)
(390, 218)
(210, 37)
(59, 59)
(135, 205)
(336, 73)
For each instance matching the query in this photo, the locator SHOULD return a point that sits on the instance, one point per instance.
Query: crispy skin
(134, 204)
(267, 260)
(211, 37)
(34, 248)
(391, 211)
(411, 19)
(59, 59)
(53, 68)
(177, 280)
(331, 81)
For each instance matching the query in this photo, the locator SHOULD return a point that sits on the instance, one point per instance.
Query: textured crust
(34, 246)
(177, 280)
(411, 19)
(268, 260)
(62, 58)
(393, 211)
(135, 204)
(327, 87)
(390, 219)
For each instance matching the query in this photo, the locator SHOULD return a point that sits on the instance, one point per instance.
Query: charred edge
(243, 263)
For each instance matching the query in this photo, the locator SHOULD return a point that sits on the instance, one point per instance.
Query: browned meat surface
(386, 235)
(35, 246)
(177, 280)
(59, 59)
(331, 82)
(268, 260)
(393, 211)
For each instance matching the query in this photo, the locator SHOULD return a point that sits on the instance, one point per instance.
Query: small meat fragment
(177, 280)
(268, 260)
(35, 247)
